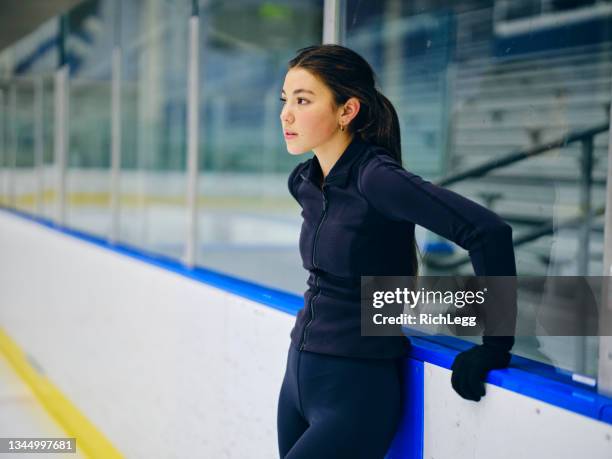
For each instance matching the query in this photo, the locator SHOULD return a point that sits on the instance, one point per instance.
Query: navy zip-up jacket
(359, 221)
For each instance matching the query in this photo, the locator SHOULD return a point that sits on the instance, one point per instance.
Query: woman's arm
(402, 196)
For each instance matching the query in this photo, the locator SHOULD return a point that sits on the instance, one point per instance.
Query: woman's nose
(285, 115)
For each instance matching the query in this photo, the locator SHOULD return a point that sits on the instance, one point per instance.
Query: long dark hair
(347, 75)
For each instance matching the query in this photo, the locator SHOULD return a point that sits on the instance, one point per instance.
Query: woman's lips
(290, 135)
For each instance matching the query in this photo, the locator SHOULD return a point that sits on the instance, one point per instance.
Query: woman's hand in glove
(470, 369)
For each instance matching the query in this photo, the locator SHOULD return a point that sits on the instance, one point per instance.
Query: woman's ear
(349, 110)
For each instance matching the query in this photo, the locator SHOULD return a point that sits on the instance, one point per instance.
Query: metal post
(604, 373)
(61, 140)
(115, 144)
(393, 50)
(60, 146)
(2, 151)
(115, 173)
(586, 181)
(193, 103)
(12, 144)
(39, 142)
(334, 30)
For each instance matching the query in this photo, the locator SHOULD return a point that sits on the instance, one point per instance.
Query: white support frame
(115, 184)
(334, 30)
(12, 144)
(193, 122)
(3, 173)
(39, 162)
(61, 140)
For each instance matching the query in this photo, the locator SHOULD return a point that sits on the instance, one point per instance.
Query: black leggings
(338, 407)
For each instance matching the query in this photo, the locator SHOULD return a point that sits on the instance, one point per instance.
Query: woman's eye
(299, 99)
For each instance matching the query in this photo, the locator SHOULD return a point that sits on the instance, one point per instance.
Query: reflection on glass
(153, 39)
(26, 122)
(4, 172)
(48, 200)
(473, 81)
(21, 130)
(249, 224)
(88, 56)
(476, 81)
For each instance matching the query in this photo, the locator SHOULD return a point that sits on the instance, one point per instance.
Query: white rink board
(504, 425)
(163, 365)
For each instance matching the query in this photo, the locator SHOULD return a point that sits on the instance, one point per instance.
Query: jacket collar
(340, 171)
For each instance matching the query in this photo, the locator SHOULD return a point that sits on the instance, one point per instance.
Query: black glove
(470, 367)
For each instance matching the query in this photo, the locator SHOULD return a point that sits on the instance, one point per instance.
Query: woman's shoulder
(375, 164)
(376, 155)
(295, 175)
(297, 170)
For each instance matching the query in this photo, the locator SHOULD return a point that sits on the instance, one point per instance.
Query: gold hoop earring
(342, 127)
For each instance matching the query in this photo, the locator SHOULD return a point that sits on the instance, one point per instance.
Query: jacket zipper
(314, 248)
(305, 334)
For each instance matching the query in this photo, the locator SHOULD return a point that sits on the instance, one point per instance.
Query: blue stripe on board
(579, 400)
(535, 383)
(606, 414)
(522, 363)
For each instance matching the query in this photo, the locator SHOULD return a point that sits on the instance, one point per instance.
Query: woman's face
(309, 116)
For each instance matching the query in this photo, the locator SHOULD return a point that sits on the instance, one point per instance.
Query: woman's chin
(295, 150)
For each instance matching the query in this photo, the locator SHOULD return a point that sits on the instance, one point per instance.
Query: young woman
(341, 396)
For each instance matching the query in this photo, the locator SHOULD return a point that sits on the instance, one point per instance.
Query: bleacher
(505, 105)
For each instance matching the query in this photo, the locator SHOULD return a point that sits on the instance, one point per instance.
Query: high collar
(340, 171)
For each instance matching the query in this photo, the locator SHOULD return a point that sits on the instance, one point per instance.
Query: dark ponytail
(347, 75)
(385, 130)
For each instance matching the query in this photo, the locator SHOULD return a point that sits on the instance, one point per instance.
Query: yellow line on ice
(90, 440)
